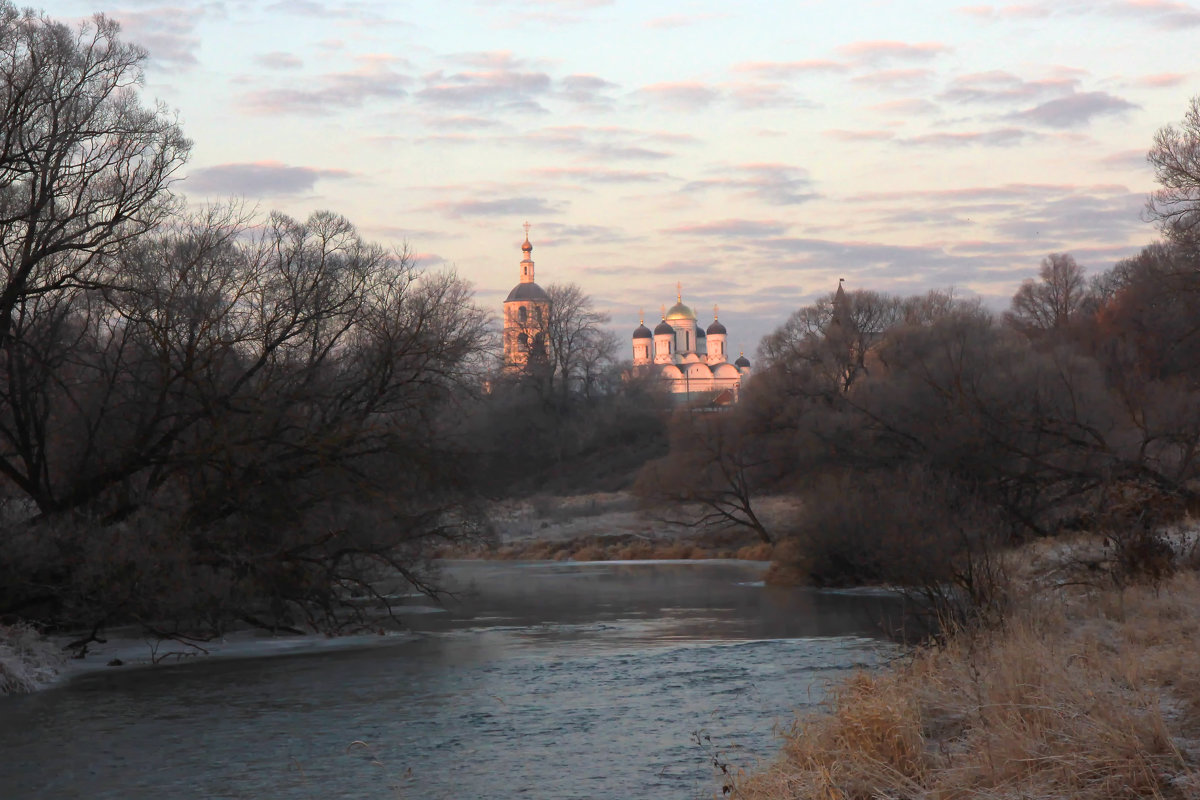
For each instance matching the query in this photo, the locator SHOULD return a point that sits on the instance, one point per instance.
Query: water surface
(538, 680)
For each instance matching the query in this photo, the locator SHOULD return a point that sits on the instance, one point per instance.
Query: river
(540, 680)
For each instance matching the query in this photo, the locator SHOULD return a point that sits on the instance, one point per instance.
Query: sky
(754, 152)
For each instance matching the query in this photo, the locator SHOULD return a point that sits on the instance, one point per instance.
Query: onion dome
(680, 311)
(700, 333)
(663, 327)
(716, 326)
(528, 291)
(527, 247)
(742, 362)
(642, 332)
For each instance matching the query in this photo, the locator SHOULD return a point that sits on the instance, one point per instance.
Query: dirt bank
(610, 526)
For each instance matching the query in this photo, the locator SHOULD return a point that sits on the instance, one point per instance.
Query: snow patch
(27, 661)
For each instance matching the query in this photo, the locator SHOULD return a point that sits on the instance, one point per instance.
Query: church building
(692, 361)
(526, 311)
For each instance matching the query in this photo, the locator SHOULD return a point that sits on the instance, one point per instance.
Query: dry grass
(1085, 693)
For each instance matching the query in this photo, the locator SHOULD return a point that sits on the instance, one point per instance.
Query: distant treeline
(925, 433)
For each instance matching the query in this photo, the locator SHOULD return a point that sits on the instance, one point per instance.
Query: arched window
(523, 341)
(522, 315)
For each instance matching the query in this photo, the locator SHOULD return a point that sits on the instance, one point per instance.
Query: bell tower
(526, 311)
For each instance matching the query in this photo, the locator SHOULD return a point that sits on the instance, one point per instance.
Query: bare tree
(1175, 156)
(269, 409)
(708, 480)
(1050, 303)
(576, 336)
(84, 167)
(832, 341)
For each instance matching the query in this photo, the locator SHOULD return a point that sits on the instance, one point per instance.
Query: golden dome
(680, 311)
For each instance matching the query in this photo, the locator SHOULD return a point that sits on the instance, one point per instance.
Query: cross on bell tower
(527, 261)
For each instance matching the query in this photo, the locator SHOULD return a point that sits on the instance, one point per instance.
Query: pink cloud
(1162, 80)
(895, 79)
(877, 51)
(763, 95)
(858, 136)
(906, 107)
(673, 21)
(1025, 11)
(786, 70)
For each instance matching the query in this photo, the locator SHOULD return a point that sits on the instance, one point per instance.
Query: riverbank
(30, 662)
(1088, 690)
(610, 526)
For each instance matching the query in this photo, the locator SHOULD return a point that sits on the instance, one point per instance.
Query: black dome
(663, 327)
(742, 362)
(642, 332)
(700, 333)
(527, 291)
(717, 327)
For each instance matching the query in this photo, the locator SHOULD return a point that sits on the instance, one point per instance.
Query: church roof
(680, 311)
(642, 332)
(663, 327)
(717, 327)
(742, 361)
(700, 334)
(527, 291)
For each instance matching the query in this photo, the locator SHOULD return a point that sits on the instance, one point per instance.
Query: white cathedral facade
(692, 361)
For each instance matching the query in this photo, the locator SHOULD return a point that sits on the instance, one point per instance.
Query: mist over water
(537, 680)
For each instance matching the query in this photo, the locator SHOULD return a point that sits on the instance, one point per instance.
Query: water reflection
(542, 680)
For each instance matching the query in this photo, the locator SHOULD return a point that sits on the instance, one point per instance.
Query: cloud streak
(375, 79)
(1075, 110)
(258, 179)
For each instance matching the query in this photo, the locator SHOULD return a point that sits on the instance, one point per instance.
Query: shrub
(915, 530)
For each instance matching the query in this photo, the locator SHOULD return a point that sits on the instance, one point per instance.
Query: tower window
(522, 315)
(523, 341)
